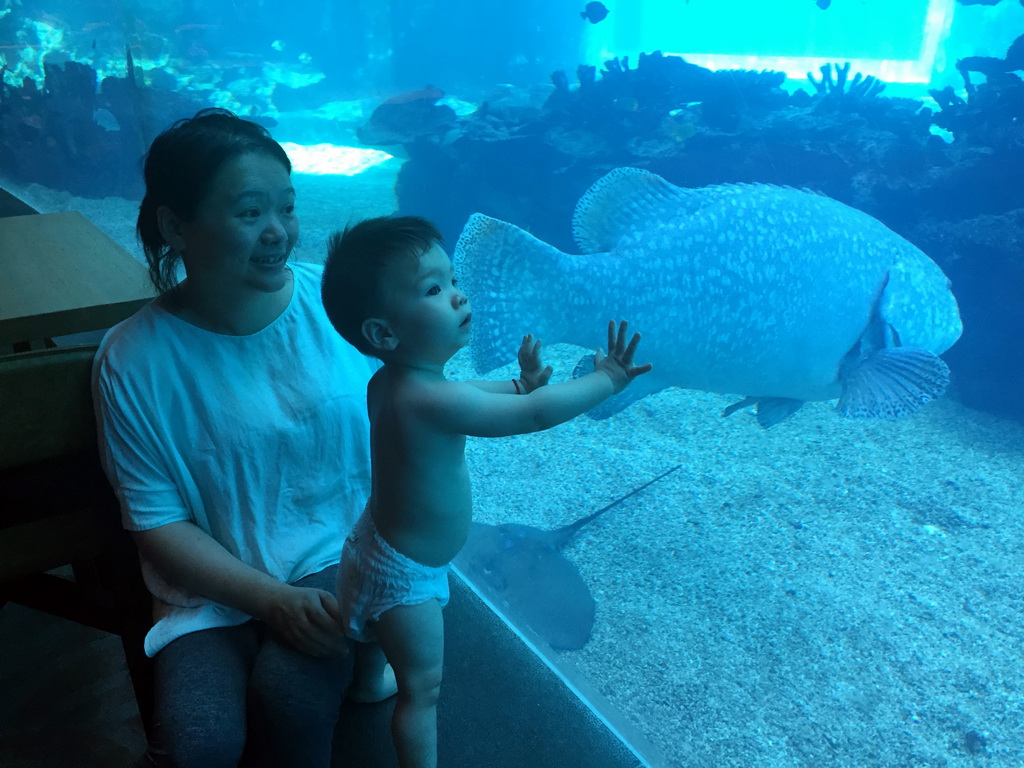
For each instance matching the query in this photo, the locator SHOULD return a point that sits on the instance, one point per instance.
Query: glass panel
(827, 591)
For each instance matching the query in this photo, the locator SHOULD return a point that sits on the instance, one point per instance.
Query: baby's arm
(461, 408)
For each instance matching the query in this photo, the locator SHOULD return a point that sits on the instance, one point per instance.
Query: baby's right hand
(618, 365)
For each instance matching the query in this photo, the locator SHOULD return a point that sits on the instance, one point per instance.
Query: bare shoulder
(432, 400)
(427, 394)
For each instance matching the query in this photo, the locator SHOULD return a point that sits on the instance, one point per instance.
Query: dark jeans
(232, 691)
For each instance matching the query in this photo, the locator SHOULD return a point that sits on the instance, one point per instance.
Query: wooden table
(13, 206)
(60, 275)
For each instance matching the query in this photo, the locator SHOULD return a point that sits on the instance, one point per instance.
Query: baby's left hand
(532, 372)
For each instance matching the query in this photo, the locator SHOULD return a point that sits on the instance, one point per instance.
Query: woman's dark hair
(178, 170)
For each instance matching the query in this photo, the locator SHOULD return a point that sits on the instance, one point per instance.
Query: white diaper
(374, 577)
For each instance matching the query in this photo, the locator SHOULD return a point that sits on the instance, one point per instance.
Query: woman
(233, 428)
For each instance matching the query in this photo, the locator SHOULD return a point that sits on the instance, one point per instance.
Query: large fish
(777, 294)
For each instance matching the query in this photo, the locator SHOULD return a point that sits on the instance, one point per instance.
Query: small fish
(428, 92)
(105, 119)
(594, 12)
(823, 4)
(196, 27)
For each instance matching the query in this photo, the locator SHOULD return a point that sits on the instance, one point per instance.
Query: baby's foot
(375, 688)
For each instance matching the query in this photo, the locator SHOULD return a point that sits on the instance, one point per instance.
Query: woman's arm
(190, 558)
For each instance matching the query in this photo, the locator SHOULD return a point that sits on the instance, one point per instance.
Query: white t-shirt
(262, 441)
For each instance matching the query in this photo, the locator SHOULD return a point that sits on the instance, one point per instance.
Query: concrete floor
(67, 702)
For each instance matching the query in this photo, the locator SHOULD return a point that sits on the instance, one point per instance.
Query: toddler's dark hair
(352, 288)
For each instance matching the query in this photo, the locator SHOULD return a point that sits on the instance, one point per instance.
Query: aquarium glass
(770, 582)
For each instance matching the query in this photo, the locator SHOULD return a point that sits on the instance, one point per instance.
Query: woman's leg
(199, 717)
(295, 699)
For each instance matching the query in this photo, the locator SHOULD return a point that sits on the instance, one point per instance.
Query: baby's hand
(532, 372)
(618, 365)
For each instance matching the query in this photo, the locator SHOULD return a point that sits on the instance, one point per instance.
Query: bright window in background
(895, 40)
(332, 159)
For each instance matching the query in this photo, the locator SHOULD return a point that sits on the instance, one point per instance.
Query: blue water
(829, 592)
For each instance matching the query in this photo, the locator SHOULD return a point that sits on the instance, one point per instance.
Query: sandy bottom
(827, 593)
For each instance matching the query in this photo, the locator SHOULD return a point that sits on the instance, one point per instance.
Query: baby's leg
(373, 679)
(412, 637)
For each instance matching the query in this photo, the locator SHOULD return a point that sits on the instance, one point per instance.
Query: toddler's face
(427, 311)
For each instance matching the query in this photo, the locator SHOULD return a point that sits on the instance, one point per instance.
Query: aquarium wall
(818, 590)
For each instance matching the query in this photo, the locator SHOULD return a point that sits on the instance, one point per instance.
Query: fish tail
(512, 278)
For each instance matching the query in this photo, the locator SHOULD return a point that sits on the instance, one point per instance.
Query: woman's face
(244, 229)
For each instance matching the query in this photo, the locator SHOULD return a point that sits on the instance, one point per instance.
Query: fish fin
(502, 267)
(746, 402)
(891, 383)
(584, 367)
(620, 200)
(639, 389)
(770, 410)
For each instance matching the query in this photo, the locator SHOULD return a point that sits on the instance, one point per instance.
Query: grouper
(776, 295)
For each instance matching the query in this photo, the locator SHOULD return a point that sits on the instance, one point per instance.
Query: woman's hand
(532, 372)
(191, 559)
(307, 619)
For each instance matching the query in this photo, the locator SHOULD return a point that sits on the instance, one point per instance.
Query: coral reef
(859, 88)
(690, 124)
(991, 66)
(80, 136)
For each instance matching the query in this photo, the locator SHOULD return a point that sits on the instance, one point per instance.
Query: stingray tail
(517, 285)
(561, 536)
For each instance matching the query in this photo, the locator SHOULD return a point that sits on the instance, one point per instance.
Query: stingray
(522, 571)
